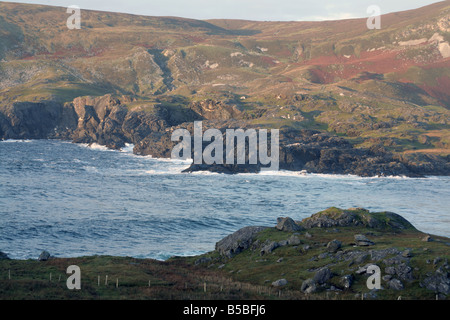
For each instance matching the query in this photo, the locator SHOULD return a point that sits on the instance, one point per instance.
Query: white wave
(90, 169)
(162, 256)
(177, 161)
(96, 146)
(16, 141)
(165, 171)
(303, 174)
(205, 173)
(128, 148)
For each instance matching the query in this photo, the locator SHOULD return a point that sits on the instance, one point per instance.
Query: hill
(386, 88)
(325, 256)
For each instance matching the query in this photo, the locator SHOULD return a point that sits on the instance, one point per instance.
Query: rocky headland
(346, 99)
(110, 121)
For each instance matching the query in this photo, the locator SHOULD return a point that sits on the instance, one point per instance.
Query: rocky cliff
(347, 99)
(113, 122)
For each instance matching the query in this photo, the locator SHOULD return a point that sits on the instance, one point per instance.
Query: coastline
(224, 169)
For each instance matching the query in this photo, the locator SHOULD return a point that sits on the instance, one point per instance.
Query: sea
(77, 200)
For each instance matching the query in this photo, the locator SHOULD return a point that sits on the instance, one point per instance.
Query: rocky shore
(109, 121)
(329, 256)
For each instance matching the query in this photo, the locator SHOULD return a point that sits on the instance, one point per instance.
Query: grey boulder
(288, 224)
(308, 286)
(280, 283)
(44, 256)
(3, 256)
(238, 241)
(363, 241)
(323, 275)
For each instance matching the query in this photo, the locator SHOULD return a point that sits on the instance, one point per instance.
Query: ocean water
(75, 200)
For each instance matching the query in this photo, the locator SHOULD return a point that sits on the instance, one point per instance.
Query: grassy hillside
(386, 87)
(408, 265)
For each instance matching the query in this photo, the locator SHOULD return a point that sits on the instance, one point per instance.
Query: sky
(261, 10)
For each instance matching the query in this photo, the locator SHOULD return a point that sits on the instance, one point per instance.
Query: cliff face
(110, 121)
(384, 92)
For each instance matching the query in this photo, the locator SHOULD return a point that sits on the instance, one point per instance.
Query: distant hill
(387, 87)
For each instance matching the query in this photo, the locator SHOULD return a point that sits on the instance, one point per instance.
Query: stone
(407, 253)
(202, 260)
(283, 243)
(427, 238)
(287, 224)
(305, 248)
(44, 256)
(395, 284)
(372, 295)
(387, 277)
(439, 282)
(363, 241)
(323, 255)
(3, 256)
(347, 281)
(238, 241)
(390, 270)
(294, 240)
(334, 217)
(399, 268)
(279, 283)
(363, 269)
(354, 256)
(268, 248)
(323, 275)
(308, 286)
(377, 255)
(256, 245)
(334, 245)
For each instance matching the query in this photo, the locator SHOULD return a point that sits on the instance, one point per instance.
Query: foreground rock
(356, 217)
(238, 241)
(287, 224)
(363, 241)
(339, 260)
(44, 256)
(439, 282)
(280, 283)
(3, 256)
(325, 265)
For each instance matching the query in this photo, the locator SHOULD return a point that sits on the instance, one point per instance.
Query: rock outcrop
(109, 120)
(348, 255)
(3, 256)
(334, 217)
(287, 224)
(362, 241)
(44, 256)
(238, 241)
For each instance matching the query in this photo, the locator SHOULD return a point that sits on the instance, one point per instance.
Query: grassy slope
(268, 62)
(247, 275)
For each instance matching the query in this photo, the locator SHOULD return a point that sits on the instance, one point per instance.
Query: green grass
(248, 275)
